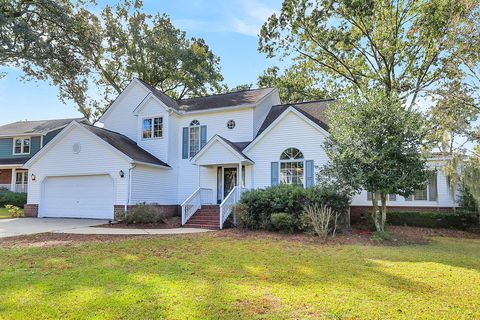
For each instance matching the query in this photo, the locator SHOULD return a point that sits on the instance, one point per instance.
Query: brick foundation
(356, 212)
(172, 210)
(31, 210)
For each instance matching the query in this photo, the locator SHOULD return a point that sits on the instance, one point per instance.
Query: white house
(188, 153)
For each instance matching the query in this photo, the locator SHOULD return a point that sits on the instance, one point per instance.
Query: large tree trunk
(384, 210)
(376, 216)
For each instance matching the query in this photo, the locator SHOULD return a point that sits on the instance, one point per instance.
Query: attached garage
(87, 196)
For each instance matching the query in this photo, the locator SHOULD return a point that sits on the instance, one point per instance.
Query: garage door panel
(78, 197)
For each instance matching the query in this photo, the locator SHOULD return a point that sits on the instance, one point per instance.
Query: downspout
(129, 194)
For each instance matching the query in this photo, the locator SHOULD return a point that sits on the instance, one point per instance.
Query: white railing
(226, 207)
(195, 201)
(16, 188)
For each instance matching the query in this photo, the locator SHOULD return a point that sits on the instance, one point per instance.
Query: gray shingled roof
(231, 99)
(34, 127)
(125, 145)
(13, 161)
(314, 110)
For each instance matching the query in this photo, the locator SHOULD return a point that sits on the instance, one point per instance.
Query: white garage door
(77, 197)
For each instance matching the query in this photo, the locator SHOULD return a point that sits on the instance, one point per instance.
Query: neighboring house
(19, 141)
(191, 152)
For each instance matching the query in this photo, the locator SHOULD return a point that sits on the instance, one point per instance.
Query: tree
(296, 84)
(97, 55)
(401, 46)
(375, 145)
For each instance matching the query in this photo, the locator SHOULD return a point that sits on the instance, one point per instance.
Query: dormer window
(194, 138)
(21, 145)
(152, 128)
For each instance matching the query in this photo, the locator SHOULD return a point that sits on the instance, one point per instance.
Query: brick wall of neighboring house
(356, 212)
(5, 176)
(168, 210)
(31, 210)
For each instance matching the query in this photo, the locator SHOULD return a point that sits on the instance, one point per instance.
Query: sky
(229, 27)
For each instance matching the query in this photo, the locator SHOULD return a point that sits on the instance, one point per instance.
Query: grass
(4, 213)
(210, 276)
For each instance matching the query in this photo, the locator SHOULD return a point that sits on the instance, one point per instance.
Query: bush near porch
(286, 204)
(14, 198)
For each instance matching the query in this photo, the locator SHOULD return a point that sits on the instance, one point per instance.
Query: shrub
(15, 211)
(284, 222)
(144, 214)
(321, 219)
(257, 206)
(459, 220)
(14, 198)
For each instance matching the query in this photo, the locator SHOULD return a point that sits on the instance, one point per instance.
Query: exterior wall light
(121, 173)
(34, 177)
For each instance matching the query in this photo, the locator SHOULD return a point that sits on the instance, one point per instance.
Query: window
(194, 138)
(292, 167)
(230, 124)
(152, 128)
(428, 192)
(391, 197)
(21, 177)
(21, 146)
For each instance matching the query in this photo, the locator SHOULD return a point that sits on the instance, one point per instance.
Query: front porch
(223, 172)
(13, 179)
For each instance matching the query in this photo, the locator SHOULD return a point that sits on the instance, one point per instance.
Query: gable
(217, 153)
(150, 106)
(292, 123)
(92, 151)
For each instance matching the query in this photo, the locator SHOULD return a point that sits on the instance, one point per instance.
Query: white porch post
(14, 179)
(240, 175)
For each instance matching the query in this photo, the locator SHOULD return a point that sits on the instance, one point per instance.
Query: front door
(229, 180)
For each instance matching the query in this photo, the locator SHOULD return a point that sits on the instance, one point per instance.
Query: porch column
(14, 180)
(240, 175)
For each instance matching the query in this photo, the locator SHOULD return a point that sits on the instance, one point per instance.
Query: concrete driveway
(23, 226)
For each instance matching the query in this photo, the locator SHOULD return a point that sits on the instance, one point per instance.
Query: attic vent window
(194, 123)
(77, 148)
(230, 124)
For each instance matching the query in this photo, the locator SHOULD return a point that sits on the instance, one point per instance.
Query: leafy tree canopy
(402, 46)
(91, 58)
(375, 145)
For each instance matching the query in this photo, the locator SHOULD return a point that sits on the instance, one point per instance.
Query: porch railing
(194, 202)
(226, 207)
(16, 187)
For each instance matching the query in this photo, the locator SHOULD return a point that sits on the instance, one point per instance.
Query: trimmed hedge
(257, 206)
(14, 198)
(459, 220)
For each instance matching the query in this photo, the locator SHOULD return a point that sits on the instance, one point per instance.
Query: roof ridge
(225, 93)
(30, 121)
(304, 102)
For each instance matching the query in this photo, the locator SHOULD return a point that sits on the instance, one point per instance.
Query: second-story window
(194, 138)
(21, 146)
(152, 128)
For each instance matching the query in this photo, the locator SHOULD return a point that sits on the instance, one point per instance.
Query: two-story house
(186, 154)
(19, 141)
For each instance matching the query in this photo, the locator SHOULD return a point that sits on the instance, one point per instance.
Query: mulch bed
(401, 235)
(170, 223)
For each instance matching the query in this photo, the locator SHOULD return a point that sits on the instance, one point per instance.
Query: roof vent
(77, 148)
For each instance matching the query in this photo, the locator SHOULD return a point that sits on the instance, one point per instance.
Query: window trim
(152, 129)
(24, 174)
(302, 160)
(190, 126)
(22, 145)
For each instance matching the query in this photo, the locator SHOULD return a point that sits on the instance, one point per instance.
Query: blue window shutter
(185, 143)
(203, 136)
(309, 173)
(274, 173)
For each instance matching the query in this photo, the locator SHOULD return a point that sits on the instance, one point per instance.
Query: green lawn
(4, 213)
(211, 276)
